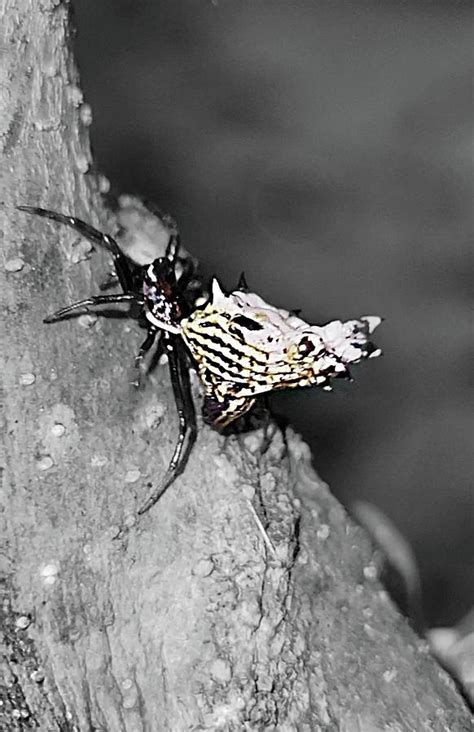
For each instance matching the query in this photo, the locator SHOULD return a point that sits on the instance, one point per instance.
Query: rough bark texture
(186, 621)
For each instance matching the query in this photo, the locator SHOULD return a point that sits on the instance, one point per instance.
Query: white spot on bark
(248, 491)
(423, 647)
(85, 114)
(130, 693)
(74, 94)
(58, 429)
(370, 572)
(104, 184)
(15, 264)
(50, 573)
(98, 461)
(57, 422)
(132, 475)
(369, 631)
(323, 532)
(253, 441)
(82, 163)
(87, 320)
(45, 462)
(22, 622)
(37, 676)
(130, 520)
(27, 379)
(221, 671)
(390, 675)
(50, 569)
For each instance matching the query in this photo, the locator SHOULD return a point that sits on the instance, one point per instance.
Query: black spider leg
(267, 423)
(122, 266)
(189, 294)
(152, 333)
(186, 415)
(156, 356)
(172, 248)
(89, 302)
(188, 273)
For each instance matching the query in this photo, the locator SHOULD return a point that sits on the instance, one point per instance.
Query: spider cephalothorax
(162, 302)
(242, 346)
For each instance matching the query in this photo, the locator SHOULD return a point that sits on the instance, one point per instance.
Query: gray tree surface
(191, 618)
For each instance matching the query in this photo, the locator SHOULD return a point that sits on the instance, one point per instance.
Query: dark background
(325, 149)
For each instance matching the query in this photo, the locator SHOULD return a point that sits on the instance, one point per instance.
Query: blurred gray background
(324, 148)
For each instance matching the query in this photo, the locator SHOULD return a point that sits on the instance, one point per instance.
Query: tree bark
(192, 618)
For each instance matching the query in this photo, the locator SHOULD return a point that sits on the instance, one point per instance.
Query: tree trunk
(193, 618)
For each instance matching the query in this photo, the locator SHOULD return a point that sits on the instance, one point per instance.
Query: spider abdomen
(245, 347)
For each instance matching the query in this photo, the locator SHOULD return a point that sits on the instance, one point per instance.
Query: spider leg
(174, 243)
(87, 303)
(143, 350)
(157, 354)
(267, 423)
(121, 263)
(189, 270)
(172, 248)
(186, 416)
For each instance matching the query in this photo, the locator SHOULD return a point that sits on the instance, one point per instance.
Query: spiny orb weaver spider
(242, 346)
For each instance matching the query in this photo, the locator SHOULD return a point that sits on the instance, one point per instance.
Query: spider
(242, 346)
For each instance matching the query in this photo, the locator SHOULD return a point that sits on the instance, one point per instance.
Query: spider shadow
(261, 417)
(111, 314)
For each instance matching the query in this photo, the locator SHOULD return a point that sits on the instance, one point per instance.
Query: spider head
(161, 296)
